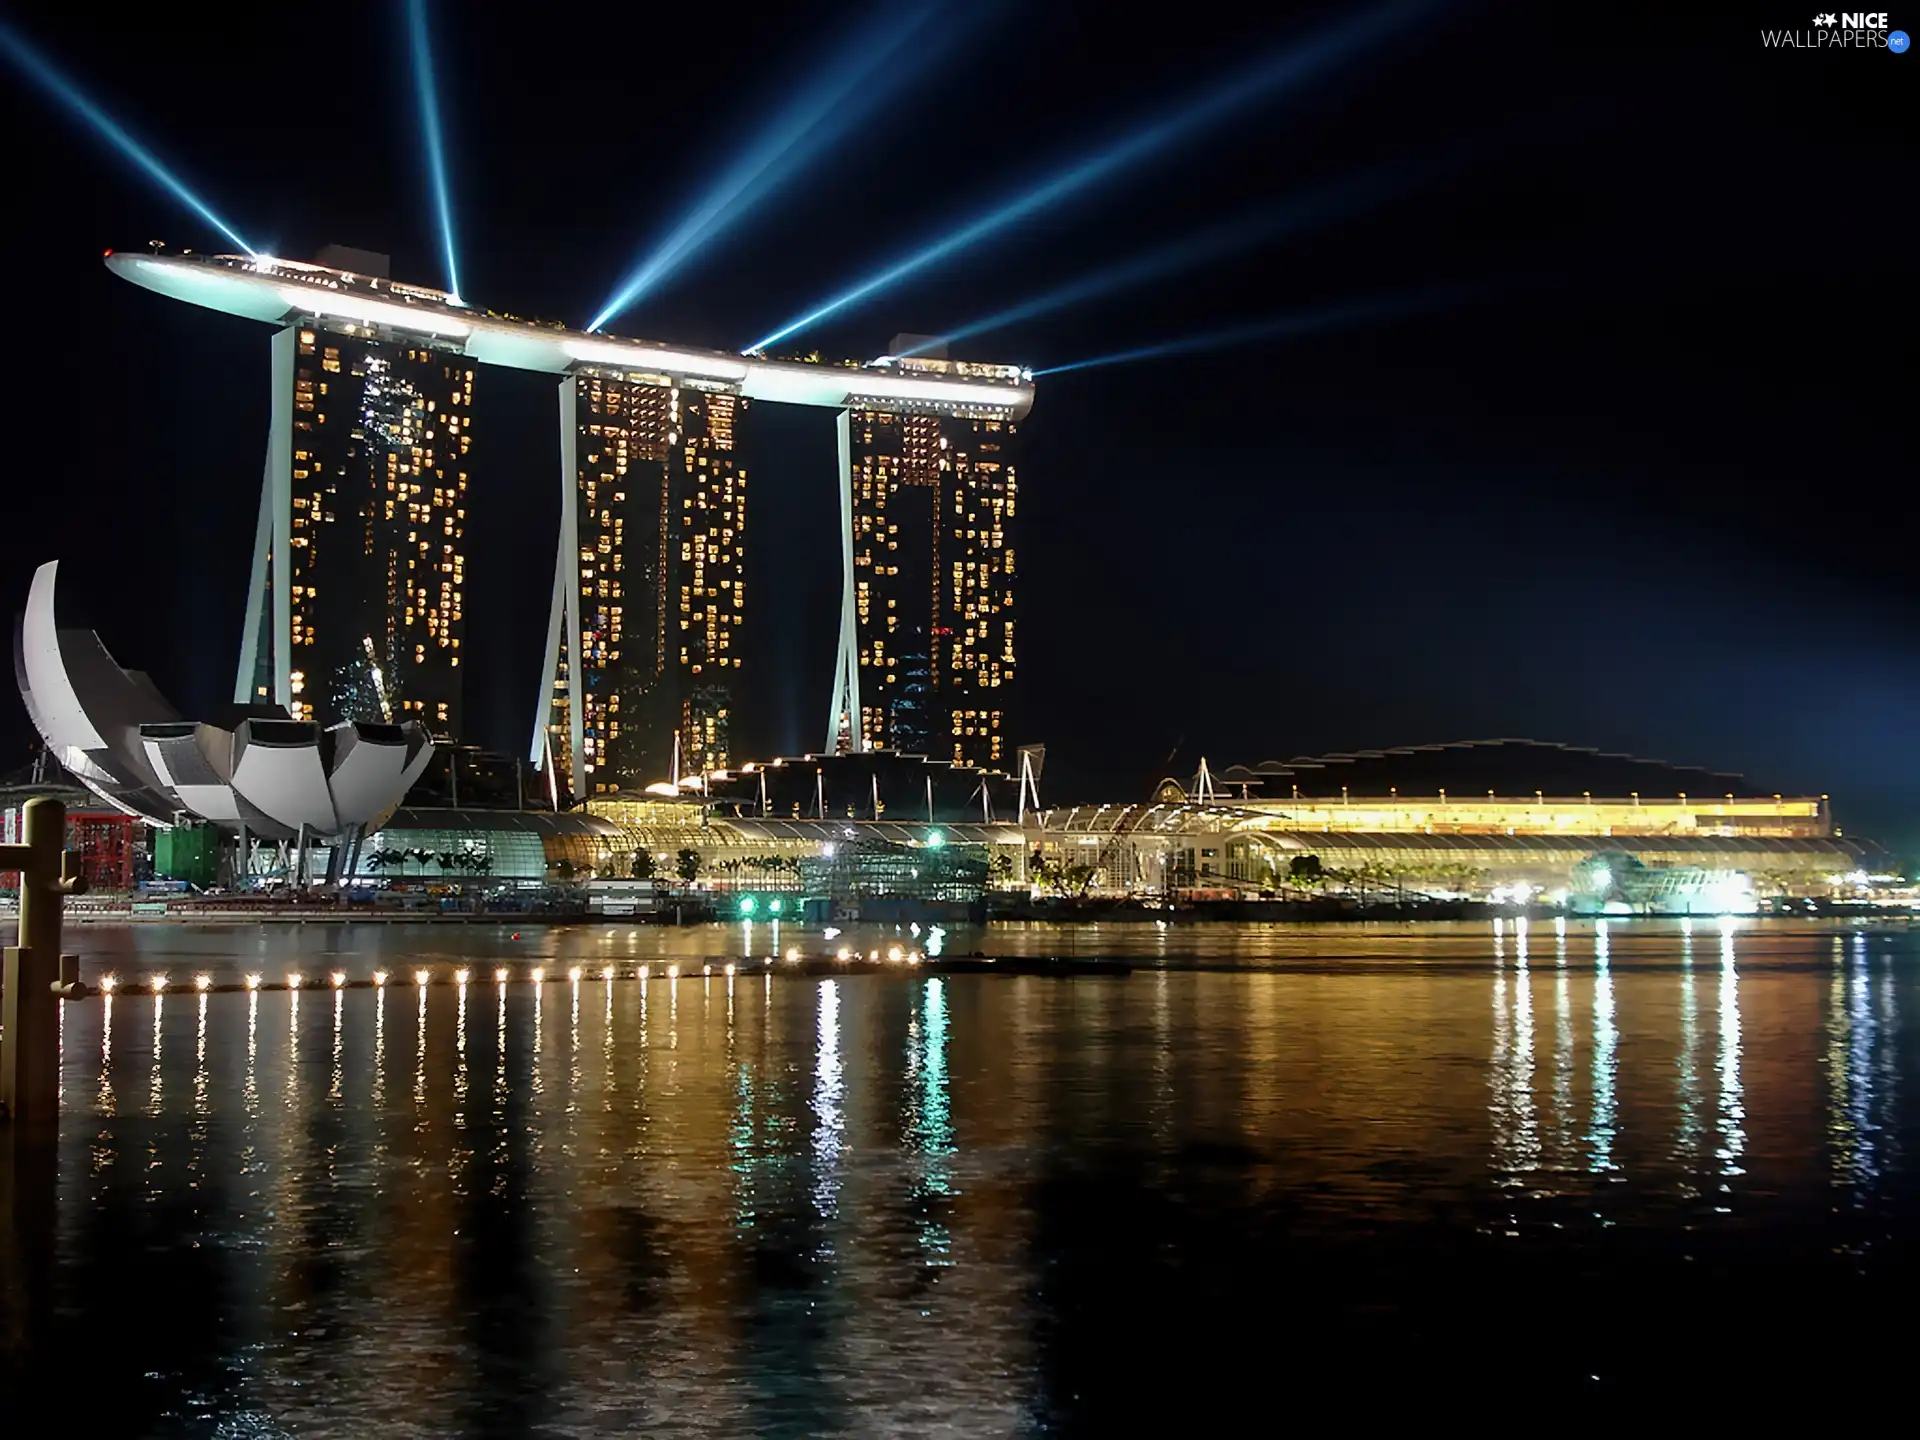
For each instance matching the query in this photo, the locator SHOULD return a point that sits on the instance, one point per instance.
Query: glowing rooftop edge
(277, 292)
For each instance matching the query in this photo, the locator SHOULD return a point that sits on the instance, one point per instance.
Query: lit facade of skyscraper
(896, 568)
(365, 497)
(932, 505)
(650, 584)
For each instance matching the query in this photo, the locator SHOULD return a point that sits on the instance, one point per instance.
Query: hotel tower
(932, 499)
(649, 588)
(356, 599)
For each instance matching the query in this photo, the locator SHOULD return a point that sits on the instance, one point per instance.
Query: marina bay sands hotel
(356, 605)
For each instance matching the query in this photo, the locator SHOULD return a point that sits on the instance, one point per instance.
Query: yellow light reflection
(153, 1100)
(379, 1043)
(200, 1061)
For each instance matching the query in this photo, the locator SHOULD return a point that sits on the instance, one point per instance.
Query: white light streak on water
(829, 1118)
(1606, 1045)
(1733, 1111)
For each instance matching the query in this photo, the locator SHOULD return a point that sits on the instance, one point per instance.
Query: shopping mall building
(1449, 820)
(1476, 818)
(1489, 819)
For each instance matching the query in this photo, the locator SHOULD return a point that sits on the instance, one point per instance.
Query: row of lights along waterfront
(538, 975)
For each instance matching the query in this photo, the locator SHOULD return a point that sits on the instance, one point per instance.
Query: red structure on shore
(104, 839)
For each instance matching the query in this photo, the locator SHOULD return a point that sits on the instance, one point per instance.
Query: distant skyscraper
(356, 606)
(649, 586)
(931, 508)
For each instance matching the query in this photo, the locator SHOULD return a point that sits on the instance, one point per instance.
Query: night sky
(1640, 486)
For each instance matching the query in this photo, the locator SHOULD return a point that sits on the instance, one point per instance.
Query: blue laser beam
(1325, 206)
(1282, 327)
(51, 80)
(421, 44)
(1293, 66)
(792, 139)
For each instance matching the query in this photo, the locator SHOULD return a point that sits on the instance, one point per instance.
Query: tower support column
(266, 633)
(563, 619)
(844, 727)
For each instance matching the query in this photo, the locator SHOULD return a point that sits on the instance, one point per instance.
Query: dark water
(1642, 1170)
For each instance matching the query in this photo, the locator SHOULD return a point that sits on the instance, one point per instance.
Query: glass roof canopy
(1170, 820)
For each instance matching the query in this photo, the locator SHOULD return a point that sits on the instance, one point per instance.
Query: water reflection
(336, 1074)
(931, 1123)
(1862, 1073)
(1888, 1068)
(419, 1055)
(197, 1129)
(252, 1087)
(460, 1162)
(573, 1043)
(829, 1120)
(534, 1068)
(104, 1102)
(1690, 1128)
(948, 1204)
(153, 1100)
(200, 1059)
(1733, 1112)
(1516, 1126)
(379, 1046)
(1606, 1044)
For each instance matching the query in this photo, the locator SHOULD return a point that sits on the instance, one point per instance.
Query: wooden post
(35, 979)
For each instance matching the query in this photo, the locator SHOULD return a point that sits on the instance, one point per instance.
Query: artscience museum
(253, 771)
